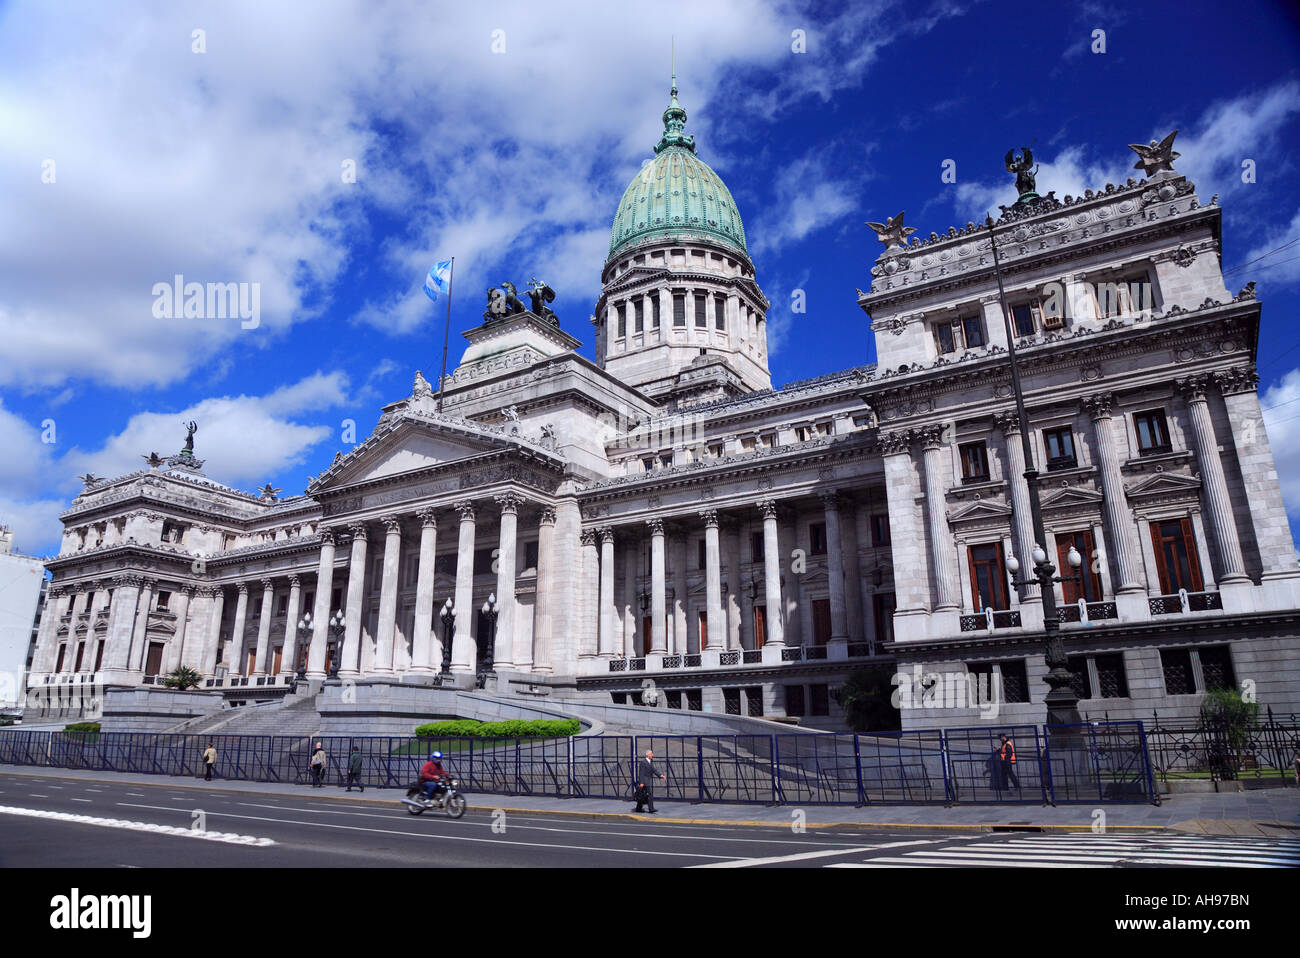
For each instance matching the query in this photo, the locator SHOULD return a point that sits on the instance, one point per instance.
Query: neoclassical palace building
(546, 525)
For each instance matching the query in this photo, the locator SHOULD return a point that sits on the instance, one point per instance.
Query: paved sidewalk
(1266, 812)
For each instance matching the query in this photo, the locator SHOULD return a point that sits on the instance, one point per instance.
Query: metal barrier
(1096, 762)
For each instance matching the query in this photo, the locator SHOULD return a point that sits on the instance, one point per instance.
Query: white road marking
(35, 795)
(751, 862)
(228, 838)
(439, 837)
(87, 800)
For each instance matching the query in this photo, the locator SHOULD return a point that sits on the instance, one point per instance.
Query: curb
(633, 817)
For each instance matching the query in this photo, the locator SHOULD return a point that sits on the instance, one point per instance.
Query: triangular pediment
(1164, 484)
(408, 441)
(1071, 496)
(980, 509)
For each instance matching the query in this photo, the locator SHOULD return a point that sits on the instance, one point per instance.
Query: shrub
(82, 727)
(513, 728)
(183, 678)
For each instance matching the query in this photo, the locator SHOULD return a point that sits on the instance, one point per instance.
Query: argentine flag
(437, 280)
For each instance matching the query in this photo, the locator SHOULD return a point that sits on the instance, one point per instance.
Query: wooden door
(821, 609)
(647, 633)
(1176, 560)
(153, 662)
(81, 651)
(275, 659)
(760, 626)
(704, 631)
(63, 650)
(1089, 587)
(99, 655)
(252, 661)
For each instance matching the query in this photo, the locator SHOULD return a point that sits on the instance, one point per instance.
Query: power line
(1264, 256)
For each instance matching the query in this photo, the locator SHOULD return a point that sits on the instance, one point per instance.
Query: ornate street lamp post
(1062, 703)
(448, 616)
(490, 610)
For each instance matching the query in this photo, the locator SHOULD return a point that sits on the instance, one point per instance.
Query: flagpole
(446, 332)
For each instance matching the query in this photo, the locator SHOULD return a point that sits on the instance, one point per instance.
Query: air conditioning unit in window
(1053, 321)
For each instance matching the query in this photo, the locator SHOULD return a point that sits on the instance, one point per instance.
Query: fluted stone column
(681, 597)
(504, 650)
(1214, 484)
(320, 615)
(854, 618)
(350, 663)
(658, 588)
(1120, 528)
(211, 641)
(289, 652)
(464, 654)
(609, 630)
(947, 583)
(628, 614)
(773, 604)
(121, 621)
(835, 571)
(426, 648)
(139, 635)
(387, 625)
(1021, 517)
(713, 583)
(56, 603)
(235, 644)
(543, 605)
(907, 540)
(264, 628)
(176, 644)
(198, 629)
(589, 637)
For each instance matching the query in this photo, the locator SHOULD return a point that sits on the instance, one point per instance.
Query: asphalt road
(40, 827)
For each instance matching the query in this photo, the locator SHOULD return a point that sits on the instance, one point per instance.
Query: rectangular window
(695, 700)
(654, 317)
(1112, 682)
(679, 309)
(988, 580)
(1177, 667)
(972, 329)
(1059, 444)
(701, 314)
(1152, 432)
(530, 555)
(821, 610)
(720, 312)
(974, 462)
(1216, 668)
(754, 700)
(880, 529)
(801, 433)
(756, 546)
(622, 320)
(1015, 681)
(482, 561)
(309, 602)
(1077, 665)
(820, 695)
(794, 704)
(1025, 318)
(673, 699)
(1089, 589)
(817, 538)
(666, 460)
(701, 554)
(1174, 542)
(163, 599)
(649, 464)
(639, 316)
(716, 450)
(944, 339)
(282, 603)
(731, 701)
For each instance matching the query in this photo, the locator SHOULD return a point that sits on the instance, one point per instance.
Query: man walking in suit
(646, 773)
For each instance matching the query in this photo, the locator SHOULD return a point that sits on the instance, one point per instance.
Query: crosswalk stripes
(1081, 850)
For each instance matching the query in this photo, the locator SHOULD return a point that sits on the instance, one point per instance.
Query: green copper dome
(676, 194)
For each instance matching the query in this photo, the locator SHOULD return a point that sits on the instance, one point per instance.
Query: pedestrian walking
(1007, 762)
(354, 769)
(1296, 763)
(646, 773)
(209, 760)
(318, 767)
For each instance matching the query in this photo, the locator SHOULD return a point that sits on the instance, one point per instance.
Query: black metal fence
(1223, 752)
(1098, 762)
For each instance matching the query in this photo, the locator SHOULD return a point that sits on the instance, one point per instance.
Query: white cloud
(1281, 403)
(1269, 263)
(808, 198)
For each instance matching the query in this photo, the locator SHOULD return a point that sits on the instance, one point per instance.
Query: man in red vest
(1007, 762)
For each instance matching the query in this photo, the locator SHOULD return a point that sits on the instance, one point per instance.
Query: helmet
(436, 757)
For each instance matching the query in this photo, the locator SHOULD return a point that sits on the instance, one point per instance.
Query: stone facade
(663, 521)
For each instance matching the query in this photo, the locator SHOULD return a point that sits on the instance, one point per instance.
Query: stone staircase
(295, 716)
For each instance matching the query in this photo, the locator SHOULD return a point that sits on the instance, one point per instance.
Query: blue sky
(504, 134)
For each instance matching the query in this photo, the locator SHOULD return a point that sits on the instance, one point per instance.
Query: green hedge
(81, 727)
(539, 728)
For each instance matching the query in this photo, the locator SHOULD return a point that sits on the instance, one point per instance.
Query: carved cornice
(1238, 379)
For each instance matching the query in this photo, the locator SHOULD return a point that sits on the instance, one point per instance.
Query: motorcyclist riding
(433, 775)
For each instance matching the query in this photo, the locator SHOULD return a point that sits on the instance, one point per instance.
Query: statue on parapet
(892, 232)
(1157, 157)
(541, 294)
(191, 428)
(1020, 165)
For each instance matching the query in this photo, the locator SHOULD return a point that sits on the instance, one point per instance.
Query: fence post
(775, 769)
(1152, 794)
(1046, 782)
(857, 768)
(699, 766)
(949, 786)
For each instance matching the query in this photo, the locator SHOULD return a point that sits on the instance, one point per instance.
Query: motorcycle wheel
(456, 806)
(414, 809)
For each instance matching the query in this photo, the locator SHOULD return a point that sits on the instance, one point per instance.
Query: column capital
(656, 526)
(148, 582)
(710, 518)
(895, 443)
(185, 589)
(547, 517)
(329, 535)
(1238, 379)
(509, 502)
(294, 582)
(428, 518)
(931, 437)
(209, 591)
(1193, 388)
(242, 588)
(830, 500)
(606, 534)
(466, 509)
(767, 507)
(392, 524)
(1098, 405)
(587, 537)
(55, 592)
(268, 584)
(357, 530)
(1008, 422)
